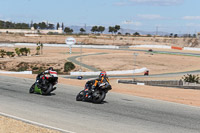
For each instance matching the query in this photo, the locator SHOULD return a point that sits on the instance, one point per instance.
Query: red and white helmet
(103, 73)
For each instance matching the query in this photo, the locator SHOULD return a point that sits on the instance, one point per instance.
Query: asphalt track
(119, 113)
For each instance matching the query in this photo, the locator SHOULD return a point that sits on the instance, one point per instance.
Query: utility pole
(81, 58)
(85, 28)
(156, 30)
(134, 59)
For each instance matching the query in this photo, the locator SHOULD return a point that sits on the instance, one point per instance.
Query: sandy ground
(114, 60)
(102, 39)
(14, 126)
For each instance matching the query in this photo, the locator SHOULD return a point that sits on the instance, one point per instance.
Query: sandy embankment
(15, 126)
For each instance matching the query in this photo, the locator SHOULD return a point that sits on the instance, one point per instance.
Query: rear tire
(98, 96)
(31, 90)
(80, 96)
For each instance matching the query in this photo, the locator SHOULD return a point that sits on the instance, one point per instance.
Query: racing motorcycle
(96, 96)
(51, 79)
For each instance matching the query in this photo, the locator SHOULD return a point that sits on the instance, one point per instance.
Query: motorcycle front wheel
(80, 96)
(31, 90)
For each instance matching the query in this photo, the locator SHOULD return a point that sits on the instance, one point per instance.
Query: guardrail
(164, 83)
(111, 72)
(101, 46)
(10, 72)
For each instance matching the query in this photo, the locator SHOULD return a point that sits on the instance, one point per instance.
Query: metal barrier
(164, 83)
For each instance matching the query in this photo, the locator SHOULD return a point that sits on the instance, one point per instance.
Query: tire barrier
(177, 48)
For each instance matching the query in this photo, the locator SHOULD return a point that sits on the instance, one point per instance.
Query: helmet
(103, 73)
(50, 68)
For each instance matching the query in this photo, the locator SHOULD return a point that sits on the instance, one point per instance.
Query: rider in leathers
(93, 84)
(40, 77)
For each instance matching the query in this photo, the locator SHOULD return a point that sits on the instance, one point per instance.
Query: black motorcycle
(96, 96)
(47, 87)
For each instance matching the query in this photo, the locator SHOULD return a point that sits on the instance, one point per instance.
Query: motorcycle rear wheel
(98, 96)
(48, 90)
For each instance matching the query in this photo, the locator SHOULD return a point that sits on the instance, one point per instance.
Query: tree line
(95, 29)
(40, 25)
(11, 25)
(46, 25)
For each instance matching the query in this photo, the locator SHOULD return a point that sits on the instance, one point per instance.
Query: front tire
(31, 90)
(80, 96)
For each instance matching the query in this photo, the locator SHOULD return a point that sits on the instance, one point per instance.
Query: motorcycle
(96, 96)
(50, 80)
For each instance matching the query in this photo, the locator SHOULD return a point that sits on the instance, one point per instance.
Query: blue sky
(176, 16)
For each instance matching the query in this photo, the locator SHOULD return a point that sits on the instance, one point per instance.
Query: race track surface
(119, 113)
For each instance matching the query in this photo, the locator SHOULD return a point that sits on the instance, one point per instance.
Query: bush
(17, 51)
(22, 66)
(2, 53)
(35, 68)
(68, 66)
(191, 78)
(10, 54)
(23, 51)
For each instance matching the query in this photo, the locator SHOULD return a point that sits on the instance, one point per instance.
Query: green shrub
(10, 54)
(35, 68)
(2, 53)
(68, 66)
(191, 78)
(23, 51)
(17, 51)
(23, 68)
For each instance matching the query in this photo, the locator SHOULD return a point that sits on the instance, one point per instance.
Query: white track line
(35, 123)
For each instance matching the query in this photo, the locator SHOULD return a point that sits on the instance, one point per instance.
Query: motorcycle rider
(41, 79)
(93, 84)
(102, 79)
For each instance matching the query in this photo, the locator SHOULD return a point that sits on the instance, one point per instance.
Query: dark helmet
(50, 68)
(103, 73)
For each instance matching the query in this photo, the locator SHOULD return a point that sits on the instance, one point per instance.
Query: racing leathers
(93, 84)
